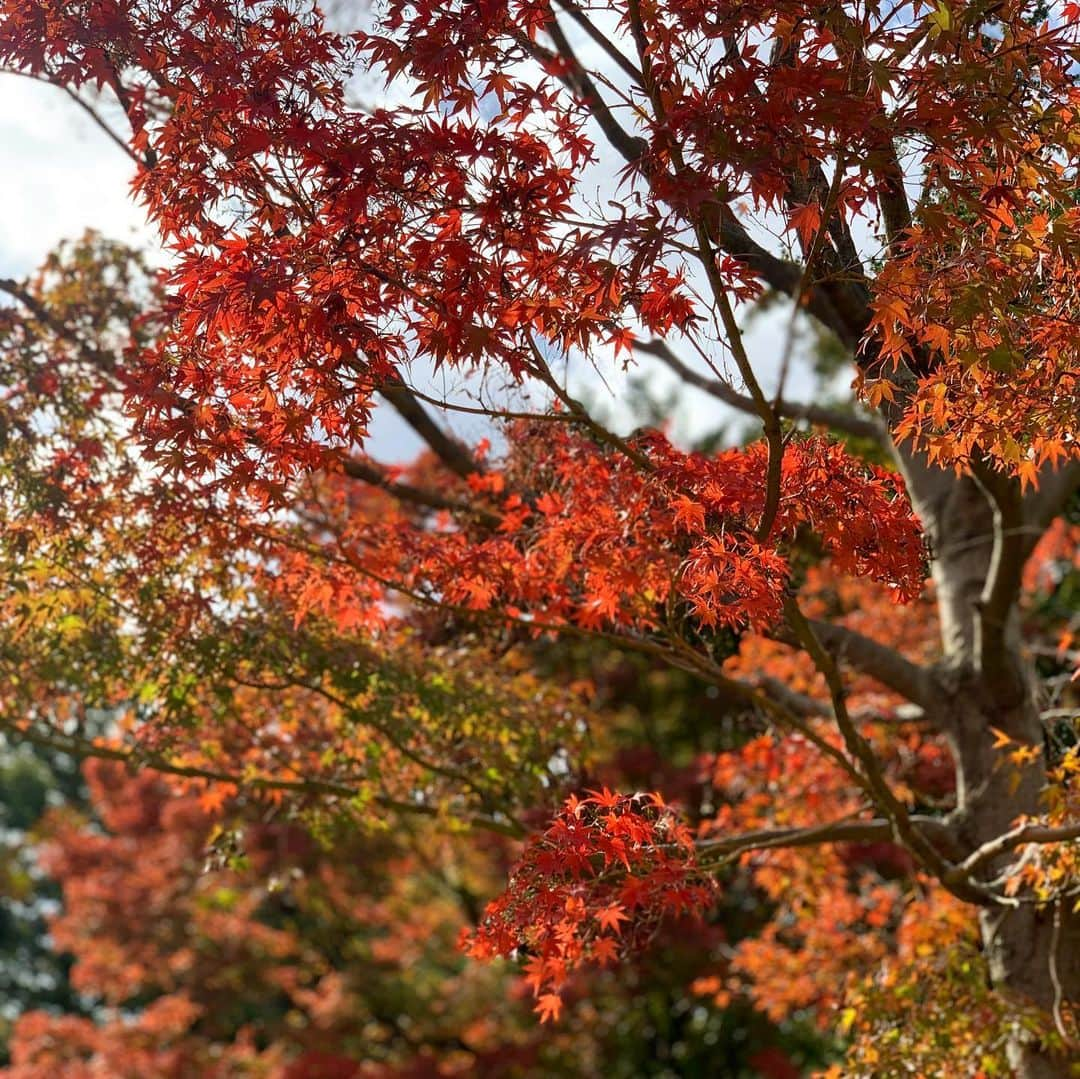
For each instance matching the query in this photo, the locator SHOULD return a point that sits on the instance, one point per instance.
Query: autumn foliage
(606, 860)
(348, 717)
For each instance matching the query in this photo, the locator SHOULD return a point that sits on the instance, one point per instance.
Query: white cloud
(60, 175)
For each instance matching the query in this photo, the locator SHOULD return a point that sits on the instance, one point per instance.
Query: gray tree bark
(985, 685)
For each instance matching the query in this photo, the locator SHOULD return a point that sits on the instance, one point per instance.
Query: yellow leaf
(1001, 739)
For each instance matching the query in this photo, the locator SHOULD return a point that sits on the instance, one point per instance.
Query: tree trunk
(1033, 954)
(1034, 959)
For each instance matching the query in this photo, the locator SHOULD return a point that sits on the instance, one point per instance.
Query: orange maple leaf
(805, 220)
(549, 1007)
(611, 918)
(605, 951)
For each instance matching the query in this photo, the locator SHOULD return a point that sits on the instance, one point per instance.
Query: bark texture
(985, 685)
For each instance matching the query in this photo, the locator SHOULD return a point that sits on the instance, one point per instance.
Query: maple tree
(346, 937)
(32, 973)
(201, 545)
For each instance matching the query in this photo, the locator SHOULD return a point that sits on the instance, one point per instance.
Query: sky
(59, 175)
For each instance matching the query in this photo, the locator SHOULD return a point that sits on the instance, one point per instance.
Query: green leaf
(1003, 359)
(940, 19)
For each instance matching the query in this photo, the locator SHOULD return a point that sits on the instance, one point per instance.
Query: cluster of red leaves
(989, 324)
(137, 925)
(858, 511)
(318, 247)
(233, 967)
(315, 246)
(155, 1043)
(744, 126)
(992, 328)
(597, 882)
(588, 537)
(836, 905)
(832, 903)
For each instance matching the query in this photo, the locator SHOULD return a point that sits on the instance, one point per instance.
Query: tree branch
(843, 831)
(794, 410)
(609, 49)
(447, 449)
(844, 310)
(100, 122)
(577, 79)
(118, 140)
(84, 747)
(884, 162)
(801, 704)
(676, 652)
(1016, 837)
(889, 667)
(601, 433)
(375, 475)
(860, 749)
(770, 420)
(102, 360)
